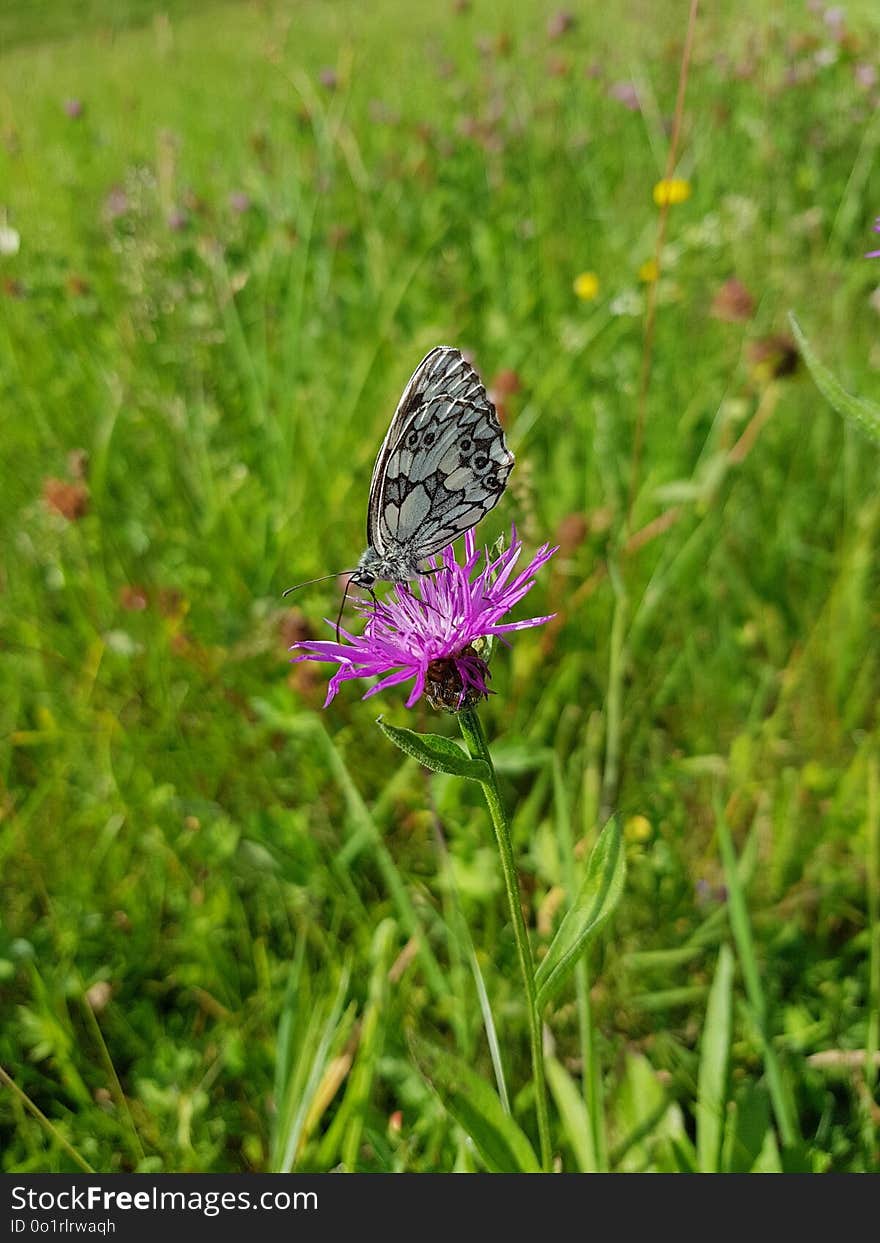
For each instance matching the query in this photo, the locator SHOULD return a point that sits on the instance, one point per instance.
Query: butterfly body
(443, 466)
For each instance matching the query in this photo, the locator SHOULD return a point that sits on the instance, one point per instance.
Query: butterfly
(443, 465)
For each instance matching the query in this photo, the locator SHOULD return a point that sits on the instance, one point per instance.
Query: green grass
(230, 920)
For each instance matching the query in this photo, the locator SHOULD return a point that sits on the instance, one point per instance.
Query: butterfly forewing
(443, 464)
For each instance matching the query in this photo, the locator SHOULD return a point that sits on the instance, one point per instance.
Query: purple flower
(874, 254)
(560, 24)
(626, 94)
(73, 108)
(865, 76)
(239, 202)
(116, 203)
(436, 636)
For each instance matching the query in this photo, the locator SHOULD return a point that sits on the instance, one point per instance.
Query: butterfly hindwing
(448, 470)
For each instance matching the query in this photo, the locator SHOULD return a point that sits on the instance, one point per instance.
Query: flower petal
(393, 679)
(522, 625)
(438, 616)
(416, 692)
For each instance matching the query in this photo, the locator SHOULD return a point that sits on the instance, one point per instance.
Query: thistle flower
(436, 633)
(874, 254)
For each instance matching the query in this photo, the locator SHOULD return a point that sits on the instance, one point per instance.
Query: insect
(443, 466)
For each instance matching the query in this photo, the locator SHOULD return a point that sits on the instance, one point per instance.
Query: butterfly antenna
(321, 579)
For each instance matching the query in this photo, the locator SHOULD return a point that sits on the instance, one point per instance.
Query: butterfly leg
(345, 597)
(435, 569)
(342, 609)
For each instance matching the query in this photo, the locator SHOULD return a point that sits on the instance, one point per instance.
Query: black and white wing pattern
(443, 464)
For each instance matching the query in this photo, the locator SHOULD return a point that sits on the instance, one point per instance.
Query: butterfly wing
(440, 366)
(443, 464)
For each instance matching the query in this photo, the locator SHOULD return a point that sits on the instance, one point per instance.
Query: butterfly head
(369, 569)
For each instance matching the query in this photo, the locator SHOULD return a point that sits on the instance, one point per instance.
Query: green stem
(474, 736)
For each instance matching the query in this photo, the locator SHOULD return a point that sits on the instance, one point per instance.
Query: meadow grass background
(224, 910)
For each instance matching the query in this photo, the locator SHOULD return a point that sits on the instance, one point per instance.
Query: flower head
(10, 240)
(586, 286)
(438, 633)
(240, 202)
(116, 203)
(874, 254)
(625, 93)
(671, 190)
(732, 302)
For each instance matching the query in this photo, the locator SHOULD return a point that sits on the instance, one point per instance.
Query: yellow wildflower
(638, 829)
(649, 271)
(672, 190)
(586, 286)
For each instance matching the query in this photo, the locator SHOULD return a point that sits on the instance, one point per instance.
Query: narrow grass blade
(861, 412)
(285, 1037)
(372, 1037)
(366, 830)
(133, 1139)
(668, 998)
(44, 1122)
(461, 947)
(872, 868)
(307, 1070)
(489, 1027)
(597, 1155)
(873, 876)
(600, 893)
(614, 697)
(714, 1054)
(740, 924)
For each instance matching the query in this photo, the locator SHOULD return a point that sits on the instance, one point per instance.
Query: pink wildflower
(432, 634)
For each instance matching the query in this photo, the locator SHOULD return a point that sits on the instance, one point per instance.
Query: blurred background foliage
(228, 232)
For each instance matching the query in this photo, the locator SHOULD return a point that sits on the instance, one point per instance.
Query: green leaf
(573, 1113)
(863, 413)
(649, 1121)
(712, 1078)
(475, 1106)
(747, 1128)
(599, 895)
(441, 755)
